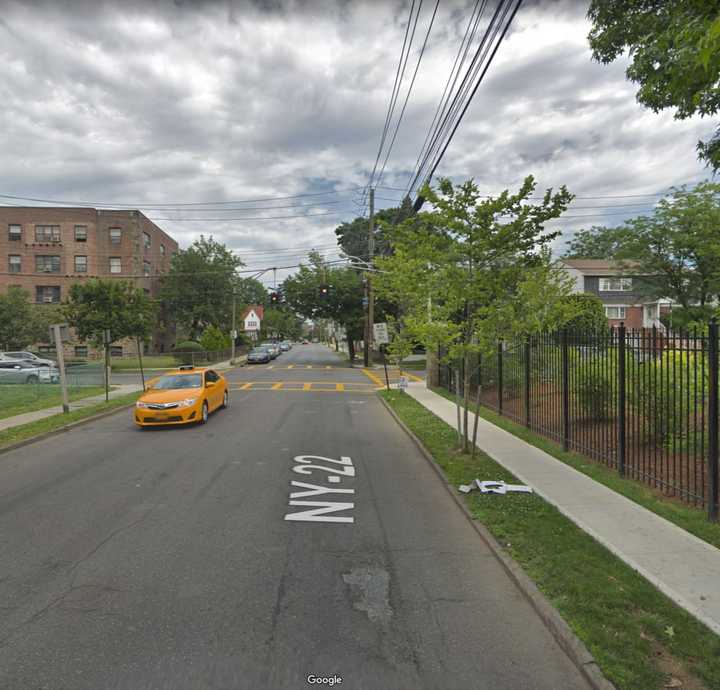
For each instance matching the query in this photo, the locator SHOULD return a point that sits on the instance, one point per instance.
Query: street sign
(234, 335)
(403, 383)
(64, 332)
(380, 333)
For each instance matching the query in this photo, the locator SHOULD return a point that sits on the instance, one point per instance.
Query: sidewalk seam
(573, 647)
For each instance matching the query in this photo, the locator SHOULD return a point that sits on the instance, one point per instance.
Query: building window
(116, 351)
(47, 233)
(15, 232)
(14, 263)
(45, 294)
(615, 312)
(46, 349)
(81, 351)
(146, 267)
(115, 264)
(47, 264)
(615, 284)
(81, 264)
(81, 233)
(115, 235)
(162, 250)
(147, 240)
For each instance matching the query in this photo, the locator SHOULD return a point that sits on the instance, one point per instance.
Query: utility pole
(56, 330)
(234, 332)
(370, 317)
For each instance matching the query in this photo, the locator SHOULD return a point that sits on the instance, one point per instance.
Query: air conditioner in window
(47, 298)
(47, 269)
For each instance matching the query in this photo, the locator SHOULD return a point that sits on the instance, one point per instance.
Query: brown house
(46, 250)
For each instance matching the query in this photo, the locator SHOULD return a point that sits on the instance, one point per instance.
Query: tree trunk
(466, 400)
(457, 404)
(351, 349)
(475, 425)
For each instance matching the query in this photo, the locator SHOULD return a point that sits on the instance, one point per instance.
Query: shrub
(185, 352)
(214, 339)
(589, 313)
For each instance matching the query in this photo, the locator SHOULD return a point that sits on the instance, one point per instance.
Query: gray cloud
(167, 102)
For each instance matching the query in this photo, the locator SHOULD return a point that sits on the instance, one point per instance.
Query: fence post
(500, 375)
(713, 369)
(527, 381)
(621, 400)
(565, 390)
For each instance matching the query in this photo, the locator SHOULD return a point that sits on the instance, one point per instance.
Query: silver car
(14, 371)
(29, 357)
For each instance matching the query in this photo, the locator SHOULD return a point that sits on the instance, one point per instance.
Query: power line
(409, 91)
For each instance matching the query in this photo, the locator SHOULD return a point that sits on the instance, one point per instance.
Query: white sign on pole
(380, 333)
(403, 383)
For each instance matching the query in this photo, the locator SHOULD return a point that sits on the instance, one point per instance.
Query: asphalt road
(162, 558)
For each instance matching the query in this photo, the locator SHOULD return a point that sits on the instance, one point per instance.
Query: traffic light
(274, 297)
(324, 290)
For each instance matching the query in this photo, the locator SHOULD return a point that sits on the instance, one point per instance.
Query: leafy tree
(198, 288)
(353, 236)
(597, 243)
(214, 339)
(588, 313)
(251, 291)
(689, 318)
(343, 304)
(475, 268)
(114, 305)
(15, 314)
(674, 48)
(281, 322)
(678, 246)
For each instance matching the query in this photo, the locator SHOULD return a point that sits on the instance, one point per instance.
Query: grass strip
(691, 519)
(19, 398)
(638, 636)
(149, 362)
(42, 426)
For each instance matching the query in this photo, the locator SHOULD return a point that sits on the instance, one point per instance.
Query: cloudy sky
(158, 104)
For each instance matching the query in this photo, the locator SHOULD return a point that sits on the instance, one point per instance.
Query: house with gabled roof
(251, 320)
(620, 289)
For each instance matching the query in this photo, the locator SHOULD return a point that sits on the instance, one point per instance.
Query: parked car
(285, 345)
(16, 371)
(30, 357)
(273, 348)
(259, 355)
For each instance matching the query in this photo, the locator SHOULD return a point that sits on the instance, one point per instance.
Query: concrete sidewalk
(679, 564)
(118, 391)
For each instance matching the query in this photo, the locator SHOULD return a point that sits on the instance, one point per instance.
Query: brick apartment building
(620, 291)
(46, 250)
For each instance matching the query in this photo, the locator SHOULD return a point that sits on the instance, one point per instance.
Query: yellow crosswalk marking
(339, 386)
(245, 386)
(290, 366)
(307, 386)
(277, 386)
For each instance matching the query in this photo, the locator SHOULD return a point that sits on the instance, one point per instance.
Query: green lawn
(21, 433)
(19, 398)
(683, 515)
(152, 362)
(638, 636)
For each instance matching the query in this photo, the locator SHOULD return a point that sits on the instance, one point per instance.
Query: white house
(251, 320)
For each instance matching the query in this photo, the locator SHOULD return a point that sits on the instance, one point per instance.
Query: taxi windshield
(175, 381)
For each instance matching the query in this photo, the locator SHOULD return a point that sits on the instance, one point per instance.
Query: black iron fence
(643, 402)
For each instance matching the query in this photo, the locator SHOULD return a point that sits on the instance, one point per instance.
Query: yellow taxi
(188, 394)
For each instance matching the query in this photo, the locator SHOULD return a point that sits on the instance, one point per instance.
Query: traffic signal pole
(370, 314)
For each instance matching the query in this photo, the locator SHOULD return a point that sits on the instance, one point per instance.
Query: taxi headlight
(141, 404)
(188, 402)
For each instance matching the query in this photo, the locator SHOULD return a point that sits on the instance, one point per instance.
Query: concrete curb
(572, 646)
(65, 427)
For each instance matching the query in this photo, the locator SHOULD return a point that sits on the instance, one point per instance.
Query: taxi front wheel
(204, 414)
(225, 400)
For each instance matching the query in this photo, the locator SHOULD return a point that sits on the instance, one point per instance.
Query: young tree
(675, 54)
(474, 268)
(198, 288)
(597, 243)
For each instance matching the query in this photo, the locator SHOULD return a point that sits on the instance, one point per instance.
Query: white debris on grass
(494, 487)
